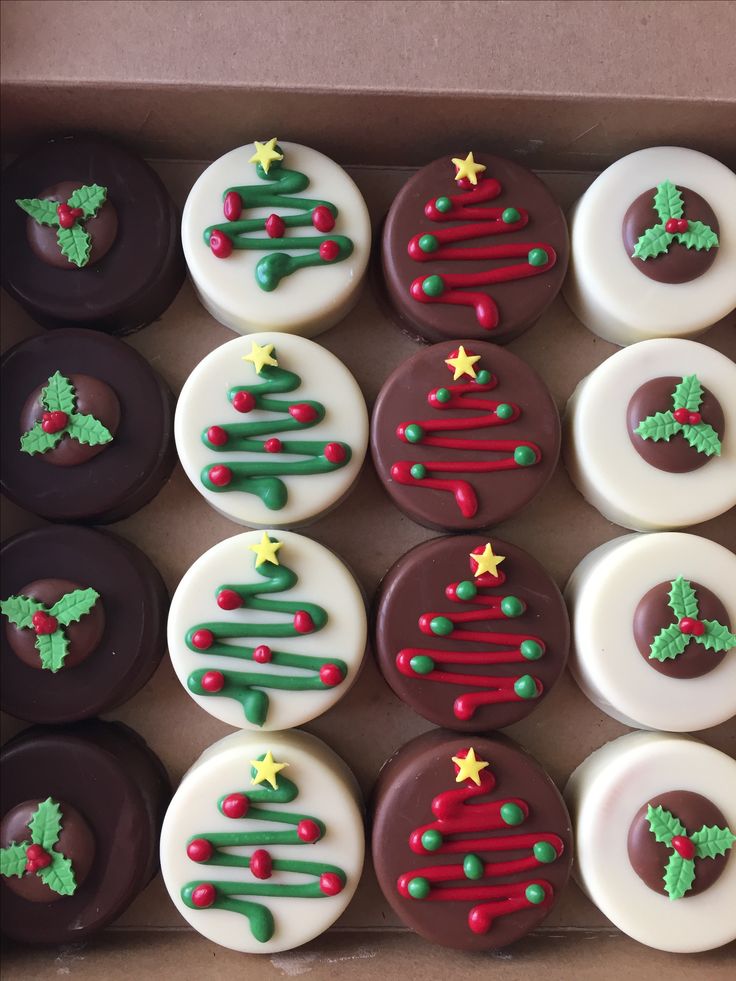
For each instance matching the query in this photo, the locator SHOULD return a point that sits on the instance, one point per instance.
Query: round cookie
(276, 237)
(502, 442)
(471, 633)
(233, 435)
(262, 797)
(83, 623)
(267, 630)
(80, 809)
(473, 248)
(87, 430)
(653, 247)
(666, 604)
(90, 237)
(646, 459)
(472, 842)
(654, 817)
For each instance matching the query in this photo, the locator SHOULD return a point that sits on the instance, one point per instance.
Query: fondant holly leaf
(717, 637)
(53, 649)
(45, 824)
(13, 859)
(653, 242)
(59, 394)
(20, 609)
(678, 876)
(703, 437)
(662, 425)
(668, 644)
(89, 197)
(663, 825)
(683, 601)
(44, 212)
(688, 394)
(713, 841)
(73, 606)
(88, 430)
(698, 236)
(59, 876)
(668, 202)
(38, 441)
(75, 244)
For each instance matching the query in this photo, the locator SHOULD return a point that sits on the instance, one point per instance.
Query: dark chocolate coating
(134, 639)
(402, 802)
(520, 302)
(102, 229)
(674, 455)
(649, 857)
(679, 264)
(135, 281)
(133, 467)
(75, 842)
(653, 614)
(107, 773)
(84, 635)
(416, 585)
(94, 398)
(500, 494)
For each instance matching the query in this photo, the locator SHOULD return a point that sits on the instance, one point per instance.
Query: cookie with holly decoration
(90, 236)
(69, 797)
(650, 435)
(276, 237)
(87, 432)
(653, 246)
(262, 846)
(654, 816)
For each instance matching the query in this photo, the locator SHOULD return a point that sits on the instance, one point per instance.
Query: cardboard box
(562, 87)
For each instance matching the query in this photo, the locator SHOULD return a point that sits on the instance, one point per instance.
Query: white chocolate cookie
(232, 854)
(669, 473)
(641, 805)
(631, 277)
(241, 226)
(271, 429)
(267, 630)
(637, 652)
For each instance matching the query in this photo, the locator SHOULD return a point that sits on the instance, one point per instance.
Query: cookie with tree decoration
(276, 236)
(262, 846)
(267, 630)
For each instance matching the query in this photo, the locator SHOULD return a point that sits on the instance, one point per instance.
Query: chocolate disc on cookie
(87, 430)
(464, 436)
(84, 623)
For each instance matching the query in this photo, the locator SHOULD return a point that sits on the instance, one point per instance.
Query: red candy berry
(35, 851)
(232, 206)
(330, 884)
(228, 599)
(671, 225)
(272, 445)
(221, 245)
(330, 675)
(689, 625)
(213, 681)
(54, 422)
(329, 250)
(217, 436)
(335, 452)
(260, 864)
(681, 415)
(275, 226)
(308, 831)
(322, 219)
(302, 412)
(37, 858)
(235, 806)
(683, 846)
(66, 215)
(262, 654)
(200, 850)
(204, 895)
(43, 623)
(303, 623)
(682, 224)
(220, 475)
(244, 402)
(694, 418)
(203, 639)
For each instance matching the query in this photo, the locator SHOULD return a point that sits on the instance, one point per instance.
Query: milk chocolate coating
(649, 857)
(674, 455)
(653, 614)
(75, 843)
(501, 494)
(94, 398)
(679, 264)
(84, 635)
(109, 775)
(402, 802)
(123, 289)
(133, 467)
(416, 585)
(102, 229)
(134, 636)
(520, 302)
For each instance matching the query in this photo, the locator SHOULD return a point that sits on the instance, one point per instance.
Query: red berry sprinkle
(329, 250)
(322, 219)
(203, 639)
(303, 623)
(200, 850)
(235, 806)
(232, 206)
(671, 226)
(308, 831)
(43, 623)
(217, 436)
(204, 895)
(681, 415)
(683, 846)
(694, 418)
(698, 628)
(213, 681)
(330, 675)
(221, 245)
(682, 224)
(302, 412)
(37, 858)
(228, 599)
(244, 402)
(54, 422)
(275, 226)
(335, 452)
(272, 445)
(35, 851)
(262, 654)
(220, 475)
(260, 864)
(65, 216)
(330, 884)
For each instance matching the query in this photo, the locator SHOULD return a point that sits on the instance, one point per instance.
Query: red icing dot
(694, 418)
(671, 225)
(235, 806)
(228, 599)
(244, 401)
(232, 206)
(65, 216)
(335, 452)
(302, 412)
(203, 639)
(200, 850)
(308, 831)
(37, 858)
(476, 921)
(213, 681)
(322, 219)
(220, 475)
(272, 445)
(217, 436)
(262, 654)
(698, 628)
(221, 245)
(683, 846)
(329, 250)
(43, 623)
(330, 675)
(682, 225)
(681, 415)
(204, 895)
(303, 623)
(686, 625)
(260, 864)
(54, 422)
(275, 226)
(330, 884)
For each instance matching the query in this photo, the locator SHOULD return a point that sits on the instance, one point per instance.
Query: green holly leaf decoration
(668, 644)
(13, 859)
(662, 425)
(59, 876)
(59, 394)
(668, 202)
(53, 649)
(89, 197)
(698, 236)
(73, 606)
(45, 824)
(683, 601)
(38, 441)
(717, 637)
(713, 841)
(679, 876)
(44, 212)
(663, 825)
(20, 609)
(88, 430)
(703, 438)
(688, 394)
(653, 242)
(75, 244)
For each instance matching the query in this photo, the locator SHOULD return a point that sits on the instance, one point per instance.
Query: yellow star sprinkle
(266, 550)
(267, 768)
(487, 561)
(260, 356)
(468, 168)
(266, 153)
(470, 767)
(463, 363)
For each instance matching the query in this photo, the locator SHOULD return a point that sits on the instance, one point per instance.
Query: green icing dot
(421, 664)
(443, 205)
(511, 813)
(511, 606)
(443, 395)
(510, 215)
(414, 433)
(535, 894)
(433, 286)
(531, 650)
(441, 626)
(537, 257)
(466, 590)
(525, 686)
(472, 867)
(419, 888)
(544, 852)
(504, 411)
(432, 840)
(525, 456)
(428, 243)
(483, 377)
(418, 471)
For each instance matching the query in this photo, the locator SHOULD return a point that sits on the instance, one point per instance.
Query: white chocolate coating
(603, 593)
(605, 289)
(606, 468)
(603, 795)
(203, 403)
(326, 790)
(323, 579)
(306, 302)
